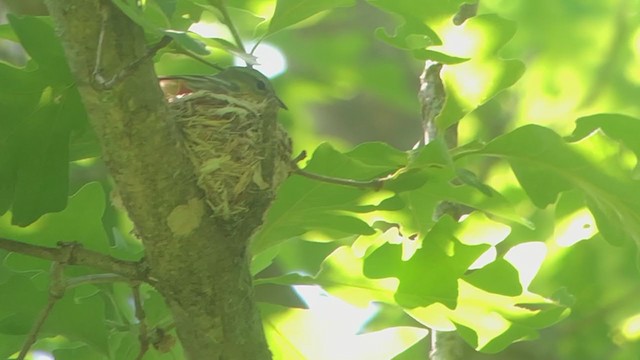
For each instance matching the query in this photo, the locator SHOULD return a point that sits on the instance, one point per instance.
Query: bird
(241, 81)
(227, 126)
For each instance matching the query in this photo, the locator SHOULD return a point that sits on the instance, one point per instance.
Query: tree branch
(78, 256)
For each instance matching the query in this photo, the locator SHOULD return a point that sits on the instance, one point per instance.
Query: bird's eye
(261, 85)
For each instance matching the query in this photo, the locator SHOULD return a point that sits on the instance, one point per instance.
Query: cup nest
(238, 149)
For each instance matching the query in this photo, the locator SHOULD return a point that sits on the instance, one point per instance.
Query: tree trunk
(198, 264)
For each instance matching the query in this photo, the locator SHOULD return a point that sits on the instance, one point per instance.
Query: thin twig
(79, 256)
(143, 336)
(375, 184)
(97, 76)
(56, 292)
(132, 66)
(226, 19)
(95, 279)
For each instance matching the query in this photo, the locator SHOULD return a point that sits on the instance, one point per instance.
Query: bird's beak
(282, 104)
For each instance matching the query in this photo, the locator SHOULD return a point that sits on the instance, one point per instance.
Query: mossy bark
(201, 270)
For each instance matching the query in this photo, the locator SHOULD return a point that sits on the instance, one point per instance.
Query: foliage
(523, 183)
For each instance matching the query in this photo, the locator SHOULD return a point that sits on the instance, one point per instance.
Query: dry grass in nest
(223, 137)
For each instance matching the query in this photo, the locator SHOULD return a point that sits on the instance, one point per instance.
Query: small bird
(229, 130)
(241, 82)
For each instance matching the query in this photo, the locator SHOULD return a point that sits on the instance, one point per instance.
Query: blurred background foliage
(345, 85)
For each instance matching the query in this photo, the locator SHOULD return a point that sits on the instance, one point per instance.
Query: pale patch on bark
(183, 219)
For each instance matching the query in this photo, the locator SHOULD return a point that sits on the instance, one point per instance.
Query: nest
(239, 151)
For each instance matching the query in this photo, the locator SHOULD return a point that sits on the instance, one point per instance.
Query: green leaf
(427, 10)
(437, 56)
(39, 40)
(6, 32)
(545, 166)
(278, 334)
(542, 162)
(187, 42)
(81, 222)
(431, 274)
(41, 109)
(498, 277)
(413, 34)
(622, 128)
(473, 83)
(154, 19)
(342, 276)
(476, 308)
(304, 204)
(378, 154)
(43, 165)
(288, 279)
(469, 178)
(408, 180)
(431, 180)
(168, 7)
(19, 306)
(290, 12)
(512, 334)
(79, 320)
(137, 14)
(77, 353)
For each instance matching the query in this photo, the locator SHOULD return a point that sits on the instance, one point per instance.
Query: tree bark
(200, 265)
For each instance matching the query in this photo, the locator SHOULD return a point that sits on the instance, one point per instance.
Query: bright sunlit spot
(334, 325)
(630, 328)
(477, 228)
(473, 81)
(210, 30)
(487, 257)
(271, 61)
(41, 355)
(576, 227)
(458, 41)
(350, 317)
(527, 258)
